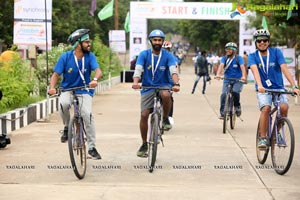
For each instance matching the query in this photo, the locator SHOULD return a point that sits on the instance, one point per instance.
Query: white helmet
(231, 45)
(261, 33)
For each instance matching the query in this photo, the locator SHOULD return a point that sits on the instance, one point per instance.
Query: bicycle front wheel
(261, 155)
(77, 147)
(283, 146)
(152, 150)
(226, 113)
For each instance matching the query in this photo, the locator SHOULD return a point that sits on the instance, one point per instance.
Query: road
(197, 162)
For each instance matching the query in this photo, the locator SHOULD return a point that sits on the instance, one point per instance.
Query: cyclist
(168, 45)
(267, 65)
(233, 66)
(76, 66)
(202, 66)
(157, 65)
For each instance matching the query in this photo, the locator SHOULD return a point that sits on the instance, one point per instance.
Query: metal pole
(47, 66)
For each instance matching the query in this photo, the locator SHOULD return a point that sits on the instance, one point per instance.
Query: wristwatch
(176, 84)
(294, 87)
(95, 79)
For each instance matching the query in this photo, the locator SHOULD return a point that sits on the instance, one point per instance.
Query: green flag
(264, 23)
(291, 7)
(107, 11)
(127, 23)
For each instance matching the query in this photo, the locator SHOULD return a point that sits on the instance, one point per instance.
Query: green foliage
(15, 83)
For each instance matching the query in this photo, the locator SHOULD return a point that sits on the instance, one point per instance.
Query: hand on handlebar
(52, 91)
(261, 89)
(136, 86)
(176, 88)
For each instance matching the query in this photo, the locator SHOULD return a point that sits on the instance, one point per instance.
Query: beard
(156, 47)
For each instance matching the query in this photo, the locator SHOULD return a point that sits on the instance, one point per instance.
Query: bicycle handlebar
(232, 79)
(280, 92)
(60, 90)
(156, 88)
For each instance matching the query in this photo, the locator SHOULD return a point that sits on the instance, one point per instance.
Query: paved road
(197, 162)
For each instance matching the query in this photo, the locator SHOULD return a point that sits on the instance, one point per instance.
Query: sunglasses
(265, 41)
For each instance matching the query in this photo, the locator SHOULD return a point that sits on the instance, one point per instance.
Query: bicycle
(156, 130)
(229, 109)
(76, 135)
(280, 137)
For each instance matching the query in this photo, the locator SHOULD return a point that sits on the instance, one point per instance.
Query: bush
(16, 83)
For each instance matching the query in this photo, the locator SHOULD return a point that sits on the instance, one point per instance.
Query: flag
(93, 6)
(107, 11)
(264, 23)
(291, 7)
(127, 23)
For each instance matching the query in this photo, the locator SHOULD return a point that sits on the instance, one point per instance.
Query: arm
(137, 76)
(244, 74)
(53, 82)
(289, 77)
(256, 75)
(98, 75)
(220, 69)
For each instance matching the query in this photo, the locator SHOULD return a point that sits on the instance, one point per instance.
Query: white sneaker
(171, 120)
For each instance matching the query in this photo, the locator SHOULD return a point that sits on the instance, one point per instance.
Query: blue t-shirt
(273, 73)
(67, 67)
(161, 76)
(234, 69)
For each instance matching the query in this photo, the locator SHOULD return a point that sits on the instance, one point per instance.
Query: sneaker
(221, 116)
(166, 124)
(203, 92)
(94, 154)
(64, 136)
(281, 141)
(262, 144)
(238, 111)
(143, 151)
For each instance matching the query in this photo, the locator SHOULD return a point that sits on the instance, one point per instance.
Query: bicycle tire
(152, 150)
(232, 114)
(282, 150)
(77, 147)
(261, 155)
(226, 113)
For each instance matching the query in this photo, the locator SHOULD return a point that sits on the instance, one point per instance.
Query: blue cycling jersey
(234, 69)
(67, 66)
(156, 74)
(273, 73)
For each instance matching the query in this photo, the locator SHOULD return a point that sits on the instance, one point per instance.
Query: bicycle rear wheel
(283, 146)
(226, 113)
(232, 115)
(152, 150)
(77, 148)
(261, 155)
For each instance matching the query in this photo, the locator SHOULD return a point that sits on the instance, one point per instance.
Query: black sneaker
(166, 124)
(64, 136)
(94, 154)
(143, 151)
(238, 111)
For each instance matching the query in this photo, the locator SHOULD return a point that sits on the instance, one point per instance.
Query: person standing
(157, 65)
(202, 68)
(233, 66)
(76, 66)
(267, 65)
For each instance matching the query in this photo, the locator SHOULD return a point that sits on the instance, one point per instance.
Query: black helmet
(76, 36)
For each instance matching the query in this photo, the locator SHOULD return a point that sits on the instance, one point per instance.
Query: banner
(127, 23)
(30, 23)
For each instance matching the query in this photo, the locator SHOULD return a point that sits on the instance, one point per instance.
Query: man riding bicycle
(267, 65)
(157, 65)
(233, 66)
(76, 66)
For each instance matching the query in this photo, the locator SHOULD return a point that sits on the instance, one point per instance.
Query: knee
(266, 109)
